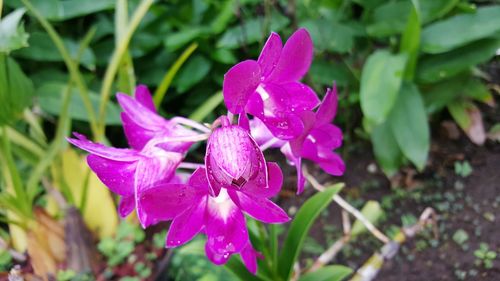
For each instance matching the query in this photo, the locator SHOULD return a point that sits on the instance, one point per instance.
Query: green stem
(62, 129)
(116, 58)
(273, 245)
(1, 6)
(169, 76)
(70, 64)
(24, 142)
(35, 127)
(15, 177)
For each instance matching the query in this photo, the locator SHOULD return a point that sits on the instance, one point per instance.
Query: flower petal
(141, 114)
(300, 96)
(308, 118)
(274, 183)
(137, 136)
(239, 83)
(226, 229)
(126, 206)
(327, 135)
(270, 54)
(216, 257)
(249, 257)
(164, 202)
(297, 162)
(295, 58)
(185, 226)
(143, 96)
(118, 176)
(328, 108)
(259, 208)
(117, 154)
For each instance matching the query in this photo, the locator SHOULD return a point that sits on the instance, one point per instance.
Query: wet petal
(270, 54)
(141, 114)
(185, 226)
(243, 121)
(284, 127)
(216, 257)
(327, 135)
(259, 208)
(137, 136)
(117, 154)
(295, 58)
(300, 97)
(143, 96)
(226, 229)
(164, 202)
(118, 176)
(308, 118)
(297, 162)
(126, 206)
(239, 83)
(274, 183)
(328, 108)
(331, 162)
(249, 257)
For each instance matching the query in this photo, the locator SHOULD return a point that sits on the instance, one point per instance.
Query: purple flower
(269, 89)
(221, 218)
(233, 159)
(316, 142)
(127, 172)
(142, 123)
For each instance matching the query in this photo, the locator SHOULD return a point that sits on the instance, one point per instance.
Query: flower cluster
(235, 179)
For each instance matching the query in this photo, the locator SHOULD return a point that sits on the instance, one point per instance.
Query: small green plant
(463, 169)
(5, 260)
(117, 249)
(484, 256)
(70, 275)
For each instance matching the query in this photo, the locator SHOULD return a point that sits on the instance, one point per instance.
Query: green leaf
(235, 266)
(12, 34)
(372, 212)
(325, 73)
(207, 107)
(469, 118)
(438, 67)
(460, 30)
(300, 227)
(49, 98)
(328, 273)
(386, 149)
(410, 42)
(439, 95)
(56, 10)
(330, 35)
(224, 16)
(41, 48)
(380, 82)
(193, 72)
(16, 90)
(250, 32)
(177, 40)
(408, 121)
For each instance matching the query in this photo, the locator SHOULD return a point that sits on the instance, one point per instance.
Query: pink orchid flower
(269, 89)
(221, 218)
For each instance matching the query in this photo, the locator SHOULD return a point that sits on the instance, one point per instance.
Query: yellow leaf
(99, 212)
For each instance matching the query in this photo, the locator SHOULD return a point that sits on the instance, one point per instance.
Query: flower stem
(190, 123)
(190, 166)
(116, 58)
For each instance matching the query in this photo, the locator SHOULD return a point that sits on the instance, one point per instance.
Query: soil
(467, 203)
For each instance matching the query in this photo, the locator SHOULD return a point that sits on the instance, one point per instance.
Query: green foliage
(484, 256)
(328, 273)
(5, 260)
(463, 169)
(117, 249)
(12, 34)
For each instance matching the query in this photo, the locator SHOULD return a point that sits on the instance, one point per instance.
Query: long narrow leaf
(299, 229)
(328, 273)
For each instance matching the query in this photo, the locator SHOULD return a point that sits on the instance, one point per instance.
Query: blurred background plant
(400, 66)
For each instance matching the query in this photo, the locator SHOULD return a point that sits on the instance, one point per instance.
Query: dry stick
(346, 206)
(372, 266)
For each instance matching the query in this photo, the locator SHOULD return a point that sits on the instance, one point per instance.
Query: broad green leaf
(41, 48)
(177, 40)
(12, 34)
(57, 10)
(251, 32)
(372, 212)
(469, 118)
(300, 226)
(196, 68)
(409, 125)
(439, 95)
(330, 35)
(380, 82)
(328, 273)
(386, 149)
(49, 98)
(16, 90)
(391, 18)
(410, 42)
(460, 30)
(326, 73)
(438, 67)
